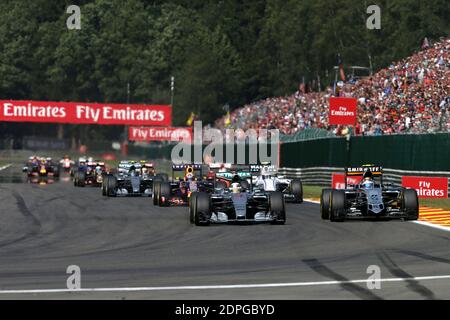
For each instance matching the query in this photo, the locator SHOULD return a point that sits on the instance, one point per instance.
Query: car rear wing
(355, 172)
(180, 170)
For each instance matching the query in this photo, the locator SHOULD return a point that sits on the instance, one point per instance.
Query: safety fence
(430, 152)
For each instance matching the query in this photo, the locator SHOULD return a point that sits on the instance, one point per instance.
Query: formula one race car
(41, 167)
(90, 174)
(179, 190)
(368, 198)
(66, 164)
(267, 179)
(236, 204)
(133, 179)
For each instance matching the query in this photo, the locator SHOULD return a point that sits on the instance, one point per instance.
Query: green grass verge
(315, 192)
(312, 191)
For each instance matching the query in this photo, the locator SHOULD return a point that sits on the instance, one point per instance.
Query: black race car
(370, 198)
(186, 179)
(91, 174)
(237, 204)
(133, 179)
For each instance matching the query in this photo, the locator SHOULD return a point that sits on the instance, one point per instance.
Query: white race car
(269, 180)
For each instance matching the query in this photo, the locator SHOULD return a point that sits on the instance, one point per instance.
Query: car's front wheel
(277, 207)
(337, 205)
(325, 204)
(202, 209)
(411, 204)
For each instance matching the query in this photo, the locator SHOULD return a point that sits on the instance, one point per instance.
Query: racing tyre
(325, 204)
(245, 185)
(164, 192)
(105, 185)
(75, 179)
(202, 209)
(220, 185)
(164, 176)
(337, 205)
(156, 187)
(111, 187)
(277, 207)
(192, 206)
(81, 178)
(411, 204)
(296, 187)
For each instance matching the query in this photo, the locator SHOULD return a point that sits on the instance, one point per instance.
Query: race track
(128, 243)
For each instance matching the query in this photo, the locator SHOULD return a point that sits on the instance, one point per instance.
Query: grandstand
(409, 96)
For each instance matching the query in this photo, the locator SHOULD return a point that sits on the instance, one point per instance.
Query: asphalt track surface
(132, 250)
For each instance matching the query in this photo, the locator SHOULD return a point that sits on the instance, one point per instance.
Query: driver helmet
(368, 183)
(98, 169)
(235, 187)
(132, 171)
(266, 172)
(189, 176)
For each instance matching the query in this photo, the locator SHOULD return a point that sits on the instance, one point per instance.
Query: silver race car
(236, 204)
(268, 179)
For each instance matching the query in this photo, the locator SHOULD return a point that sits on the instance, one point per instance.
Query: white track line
(423, 223)
(5, 167)
(432, 225)
(215, 287)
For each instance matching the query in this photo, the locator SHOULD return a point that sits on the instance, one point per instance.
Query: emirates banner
(342, 111)
(427, 187)
(159, 134)
(85, 113)
(338, 180)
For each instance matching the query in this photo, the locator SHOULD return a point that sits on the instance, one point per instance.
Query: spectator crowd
(410, 96)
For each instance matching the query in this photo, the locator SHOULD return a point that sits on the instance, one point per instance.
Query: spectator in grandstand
(410, 96)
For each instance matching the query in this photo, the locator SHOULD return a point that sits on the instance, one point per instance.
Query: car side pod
(337, 205)
(325, 204)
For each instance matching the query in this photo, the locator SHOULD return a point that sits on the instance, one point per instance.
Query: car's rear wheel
(245, 185)
(325, 204)
(411, 204)
(296, 187)
(164, 193)
(220, 185)
(277, 207)
(56, 172)
(163, 176)
(202, 209)
(337, 205)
